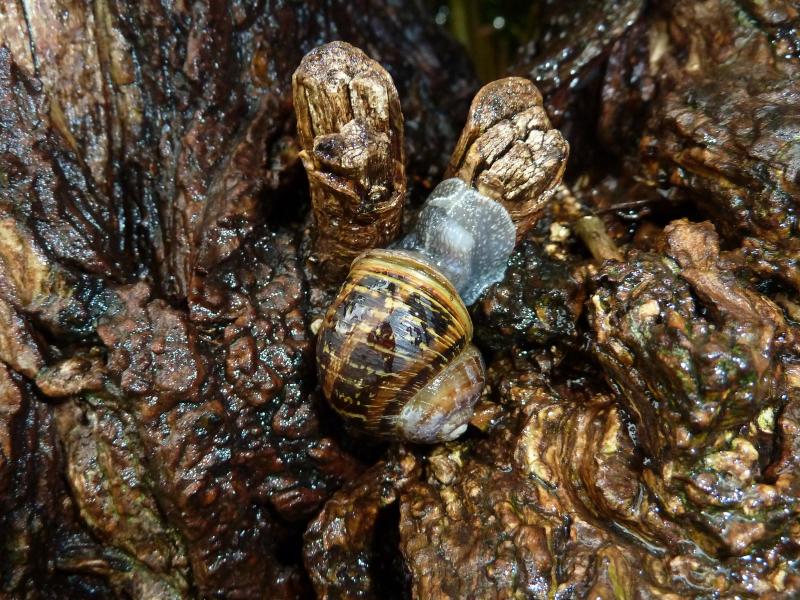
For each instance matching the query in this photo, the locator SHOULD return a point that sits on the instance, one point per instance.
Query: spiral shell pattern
(395, 324)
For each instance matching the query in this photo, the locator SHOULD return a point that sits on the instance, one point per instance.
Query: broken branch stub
(351, 131)
(509, 151)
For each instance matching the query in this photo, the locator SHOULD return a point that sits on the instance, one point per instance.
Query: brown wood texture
(509, 151)
(351, 130)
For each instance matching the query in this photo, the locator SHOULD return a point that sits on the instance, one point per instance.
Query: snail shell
(394, 352)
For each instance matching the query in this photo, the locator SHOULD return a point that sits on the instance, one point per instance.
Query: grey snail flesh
(465, 235)
(394, 352)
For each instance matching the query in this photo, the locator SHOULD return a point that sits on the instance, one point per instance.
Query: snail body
(395, 352)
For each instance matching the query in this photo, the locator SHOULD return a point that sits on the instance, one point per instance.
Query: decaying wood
(18, 346)
(509, 151)
(593, 233)
(351, 130)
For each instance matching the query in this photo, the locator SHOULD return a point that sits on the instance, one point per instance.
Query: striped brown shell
(396, 323)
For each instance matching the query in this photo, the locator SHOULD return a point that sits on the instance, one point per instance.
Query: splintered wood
(509, 151)
(351, 130)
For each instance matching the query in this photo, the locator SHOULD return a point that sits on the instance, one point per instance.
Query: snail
(394, 351)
